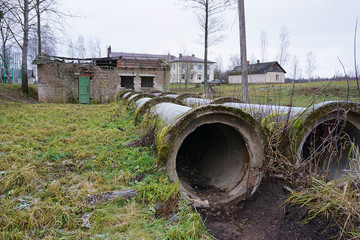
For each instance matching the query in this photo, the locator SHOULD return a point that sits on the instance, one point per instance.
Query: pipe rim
(152, 102)
(245, 125)
(321, 114)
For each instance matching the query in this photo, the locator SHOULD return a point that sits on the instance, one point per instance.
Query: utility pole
(243, 56)
(1, 17)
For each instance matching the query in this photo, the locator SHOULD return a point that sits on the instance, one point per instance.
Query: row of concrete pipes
(217, 149)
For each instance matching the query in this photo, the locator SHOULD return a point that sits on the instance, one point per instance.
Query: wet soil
(264, 216)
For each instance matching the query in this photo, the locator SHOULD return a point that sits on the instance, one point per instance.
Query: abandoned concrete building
(99, 80)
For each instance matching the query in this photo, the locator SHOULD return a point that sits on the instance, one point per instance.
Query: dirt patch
(147, 140)
(167, 209)
(265, 217)
(15, 95)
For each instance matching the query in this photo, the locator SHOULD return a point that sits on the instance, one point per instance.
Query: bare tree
(295, 66)
(284, 46)
(25, 16)
(80, 47)
(219, 72)
(6, 46)
(94, 45)
(356, 67)
(208, 15)
(244, 65)
(47, 14)
(188, 69)
(310, 64)
(234, 61)
(18, 14)
(263, 45)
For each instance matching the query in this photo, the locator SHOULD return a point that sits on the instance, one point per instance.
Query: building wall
(177, 71)
(58, 82)
(270, 77)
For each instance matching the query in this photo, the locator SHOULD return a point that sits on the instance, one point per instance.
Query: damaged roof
(259, 68)
(167, 57)
(124, 62)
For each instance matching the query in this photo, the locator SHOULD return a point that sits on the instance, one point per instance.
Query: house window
(199, 77)
(192, 67)
(199, 67)
(147, 82)
(277, 77)
(183, 66)
(208, 67)
(182, 76)
(192, 76)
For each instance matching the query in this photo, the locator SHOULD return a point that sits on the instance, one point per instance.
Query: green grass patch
(280, 94)
(55, 157)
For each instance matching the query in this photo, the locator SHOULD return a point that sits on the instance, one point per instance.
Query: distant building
(182, 68)
(98, 80)
(190, 69)
(267, 72)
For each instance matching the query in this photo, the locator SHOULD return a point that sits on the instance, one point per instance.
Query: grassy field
(61, 166)
(61, 163)
(303, 93)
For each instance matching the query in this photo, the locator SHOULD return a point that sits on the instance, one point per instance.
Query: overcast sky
(324, 27)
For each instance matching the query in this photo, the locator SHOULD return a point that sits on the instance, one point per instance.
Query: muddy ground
(264, 216)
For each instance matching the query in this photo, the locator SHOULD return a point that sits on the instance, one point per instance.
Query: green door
(84, 89)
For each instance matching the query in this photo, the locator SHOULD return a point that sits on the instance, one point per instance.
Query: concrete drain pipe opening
(331, 134)
(216, 155)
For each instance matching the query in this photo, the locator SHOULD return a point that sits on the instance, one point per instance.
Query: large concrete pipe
(134, 98)
(187, 95)
(144, 104)
(121, 93)
(323, 135)
(215, 153)
(195, 102)
(127, 95)
(221, 100)
(171, 95)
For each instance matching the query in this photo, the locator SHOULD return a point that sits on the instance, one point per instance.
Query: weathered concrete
(171, 95)
(215, 153)
(143, 105)
(323, 134)
(187, 95)
(134, 98)
(195, 102)
(221, 100)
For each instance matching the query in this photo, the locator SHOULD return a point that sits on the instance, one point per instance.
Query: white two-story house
(189, 69)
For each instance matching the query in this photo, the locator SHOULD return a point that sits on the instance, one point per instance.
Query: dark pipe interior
(327, 148)
(213, 157)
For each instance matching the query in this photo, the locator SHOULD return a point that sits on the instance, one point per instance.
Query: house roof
(167, 57)
(259, 68)
(191, 59)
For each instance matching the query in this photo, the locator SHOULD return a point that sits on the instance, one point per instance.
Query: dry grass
(304, 93)
(310, 185)
(54, 157)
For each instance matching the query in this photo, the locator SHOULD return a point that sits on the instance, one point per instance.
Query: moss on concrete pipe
(215, 153)
(195, 102)
(143, 105)
(324, 134)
